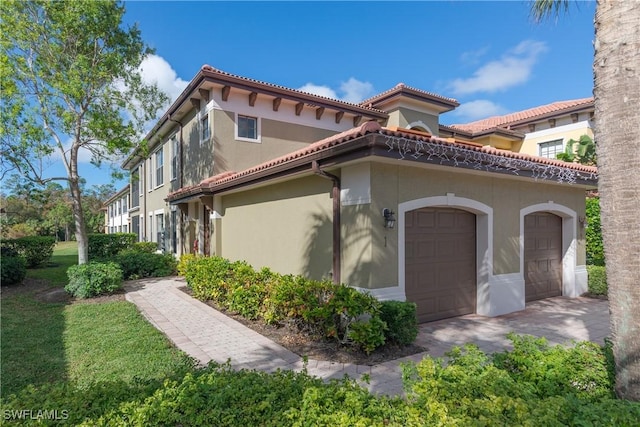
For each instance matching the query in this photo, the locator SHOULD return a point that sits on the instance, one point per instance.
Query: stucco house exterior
(378, 195)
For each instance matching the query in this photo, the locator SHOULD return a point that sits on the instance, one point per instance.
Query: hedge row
(597, 280)
(102, 246)
(319, 308)
(36, 250)
(532, 385)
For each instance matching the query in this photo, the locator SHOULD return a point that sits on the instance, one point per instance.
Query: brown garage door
(542, 256)
(440, 262)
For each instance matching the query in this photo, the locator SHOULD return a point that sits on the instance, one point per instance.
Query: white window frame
(559, 141)
(150, 175)
(158, 170)
(258, 138)
(174, 157)
(204, 118)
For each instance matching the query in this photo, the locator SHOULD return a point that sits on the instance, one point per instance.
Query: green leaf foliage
(401, 320)
(14, 270)
(319, 308)
(138, 265)
(70, 82)
(36, 250)
(593, 233)
(105, 246)
(597, 280)
(93, 279)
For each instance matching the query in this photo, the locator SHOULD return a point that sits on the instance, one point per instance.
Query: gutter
(335, 193)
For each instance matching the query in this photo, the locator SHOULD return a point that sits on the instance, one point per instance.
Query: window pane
(247, 127)
(204, 125)
(550, 149)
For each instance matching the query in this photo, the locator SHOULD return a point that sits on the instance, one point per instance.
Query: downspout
(335, 193)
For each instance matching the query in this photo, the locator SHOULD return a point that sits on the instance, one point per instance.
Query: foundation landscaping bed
(102, 364)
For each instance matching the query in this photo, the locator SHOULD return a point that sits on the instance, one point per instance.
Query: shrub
(137, 265)
(593, 233)
(185, 263)
(14, 269)
(103, 246)
(597, 280)
(149, 247)
(401, 320)
(36, 250)
(93, 279)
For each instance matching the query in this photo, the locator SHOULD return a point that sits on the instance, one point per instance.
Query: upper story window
(174, 157)
(247, 128)
(135, 187)
(205, 129)
(550, 149)
(150, 179)
(124, 205)
(159, 167)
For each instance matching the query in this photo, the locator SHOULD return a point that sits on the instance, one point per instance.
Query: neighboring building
(116, 216)
(309, 185)
(541, 131)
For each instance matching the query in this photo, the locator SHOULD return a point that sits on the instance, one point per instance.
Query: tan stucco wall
(286, 226)
(394, 184)
(277, 139)
(401, 117)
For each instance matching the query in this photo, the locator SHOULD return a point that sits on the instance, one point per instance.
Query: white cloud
(472, 57)
(479, 109)
(325, 91)
(512, 69)
(155, 69)
(353, 90)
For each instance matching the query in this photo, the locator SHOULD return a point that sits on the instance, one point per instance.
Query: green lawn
(80, 345)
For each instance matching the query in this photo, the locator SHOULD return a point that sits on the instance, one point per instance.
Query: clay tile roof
(212, 70)
(362, 130)
(523, 116)
(401, 87)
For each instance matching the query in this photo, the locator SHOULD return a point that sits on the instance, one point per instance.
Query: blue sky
(490, 56)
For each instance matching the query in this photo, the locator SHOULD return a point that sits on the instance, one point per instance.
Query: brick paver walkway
(206, 334)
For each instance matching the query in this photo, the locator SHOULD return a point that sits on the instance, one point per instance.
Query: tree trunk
(78, 216)
(617, 135)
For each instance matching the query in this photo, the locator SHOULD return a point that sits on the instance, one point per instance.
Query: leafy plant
(593, 232)
(581, 151)
(93, 279)
(149, 247)
(401, 320)
(104, 246)
(14, 270)
(597, 280)
(36, 250)
(137, 265)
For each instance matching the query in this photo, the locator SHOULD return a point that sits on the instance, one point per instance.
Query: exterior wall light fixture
(389, 218)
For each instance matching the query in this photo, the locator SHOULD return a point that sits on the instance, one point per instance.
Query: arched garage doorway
(542, 256)
(440, 262)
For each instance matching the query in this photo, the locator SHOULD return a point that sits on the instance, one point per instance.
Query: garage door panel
(542, 256)
(440, 263)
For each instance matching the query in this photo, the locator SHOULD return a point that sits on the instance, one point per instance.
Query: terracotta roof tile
(520, 116)
(368, 128)
(400, 87)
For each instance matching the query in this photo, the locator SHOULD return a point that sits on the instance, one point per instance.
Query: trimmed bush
(93, 279)
(36, 250)
(14, 270)
(149, 247)
(317, 307)
(597, 280)
(104, 246)
(138, 265)
(401, 320)
(593, 233)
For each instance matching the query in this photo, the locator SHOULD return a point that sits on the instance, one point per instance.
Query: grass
(77, 344)
(64, 256)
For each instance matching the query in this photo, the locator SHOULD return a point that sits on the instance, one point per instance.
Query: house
(541, 131)
(378, 195)
(116, 212)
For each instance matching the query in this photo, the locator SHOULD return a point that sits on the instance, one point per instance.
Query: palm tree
(616, 70)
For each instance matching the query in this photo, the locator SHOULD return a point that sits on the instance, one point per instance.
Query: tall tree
(70, 83)
(616, 70)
